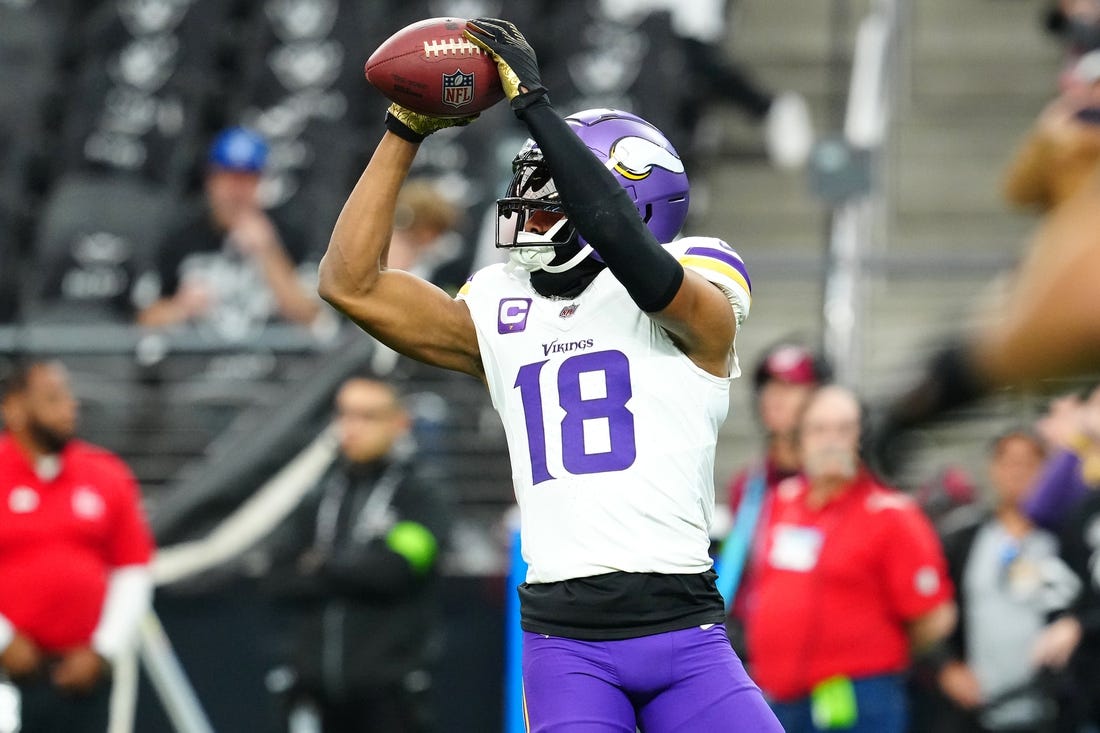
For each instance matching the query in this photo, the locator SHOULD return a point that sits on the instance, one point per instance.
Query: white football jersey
(611, 429)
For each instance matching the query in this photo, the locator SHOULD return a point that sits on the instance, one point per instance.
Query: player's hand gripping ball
(431, 68)
(515, 59)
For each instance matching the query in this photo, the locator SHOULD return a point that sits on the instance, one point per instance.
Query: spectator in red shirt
(74, 554)
(783, 379)
(853, 581)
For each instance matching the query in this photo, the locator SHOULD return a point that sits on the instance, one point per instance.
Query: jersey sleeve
(916, 571)
(464, 291)
(131, 541)
(479, 284)
(720, 264)
(482, 296)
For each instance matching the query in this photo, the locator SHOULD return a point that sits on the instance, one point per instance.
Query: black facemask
(572, 282)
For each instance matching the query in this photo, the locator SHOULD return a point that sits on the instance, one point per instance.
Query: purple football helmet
(640, 157)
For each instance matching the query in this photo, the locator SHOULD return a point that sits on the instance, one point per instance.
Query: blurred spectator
(711, 76)
(1044, 325)
(1068, 427)
(1077, 22)
(367, 547)
(854, 581)
(1009, 582)
(949, 497)
(783, 380)
(950, 500)
(74, 554)
(1066, 496)
(1062, 149)
(784, 117)
(231, 266)
(424, 240)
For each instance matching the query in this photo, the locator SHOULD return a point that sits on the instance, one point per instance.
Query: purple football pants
(687, 681)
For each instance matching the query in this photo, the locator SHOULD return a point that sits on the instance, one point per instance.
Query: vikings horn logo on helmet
(635, 158)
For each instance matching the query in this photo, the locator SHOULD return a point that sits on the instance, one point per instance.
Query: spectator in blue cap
(238, 148)
(231, 266)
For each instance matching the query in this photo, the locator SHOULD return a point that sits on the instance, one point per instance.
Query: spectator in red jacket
(74, 555)
(853, 583)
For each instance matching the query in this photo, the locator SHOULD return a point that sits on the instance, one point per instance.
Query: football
(431, 68)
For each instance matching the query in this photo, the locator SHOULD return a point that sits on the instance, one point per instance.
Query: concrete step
(957, 189)
(745, 192)
(961, 141)
(763, 29)
(979, 27)
(997, 234)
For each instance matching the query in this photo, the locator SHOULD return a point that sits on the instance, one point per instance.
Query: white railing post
(857, 219)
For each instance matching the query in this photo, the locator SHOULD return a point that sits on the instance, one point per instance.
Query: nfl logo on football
(458, 88)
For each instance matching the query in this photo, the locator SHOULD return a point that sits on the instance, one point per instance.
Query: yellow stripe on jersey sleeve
(717, 266)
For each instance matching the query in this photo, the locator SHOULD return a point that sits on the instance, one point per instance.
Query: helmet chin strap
(530, 256)
(571, 262)
(539, 258)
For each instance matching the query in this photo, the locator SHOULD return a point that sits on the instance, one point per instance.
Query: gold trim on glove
(423, 124)
(508, 78)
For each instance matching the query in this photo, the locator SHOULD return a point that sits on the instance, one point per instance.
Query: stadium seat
(309, 177)
(93, 241)
(305, 57)
(148, 78)
(25, 94)
(31, 35)
(201, 26)
(148, 131)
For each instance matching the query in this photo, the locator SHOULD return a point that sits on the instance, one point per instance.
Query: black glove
(414, 126)
(514, 57)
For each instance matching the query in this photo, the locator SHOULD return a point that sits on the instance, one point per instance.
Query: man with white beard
(852, 586)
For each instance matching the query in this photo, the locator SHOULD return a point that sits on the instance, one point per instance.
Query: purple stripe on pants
(687, 681)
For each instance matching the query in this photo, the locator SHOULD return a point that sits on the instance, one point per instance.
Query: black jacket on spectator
(195, 236)
(366, 618)
(1080, 550)
(957, 544)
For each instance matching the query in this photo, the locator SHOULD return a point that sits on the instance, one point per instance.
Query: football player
(608, 350)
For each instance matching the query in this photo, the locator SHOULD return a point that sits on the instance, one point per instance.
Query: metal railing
(851, 172)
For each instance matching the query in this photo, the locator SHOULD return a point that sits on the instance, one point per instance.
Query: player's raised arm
(695, 312)
(408, 314)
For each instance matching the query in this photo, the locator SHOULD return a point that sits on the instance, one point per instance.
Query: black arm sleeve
(602, 212)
